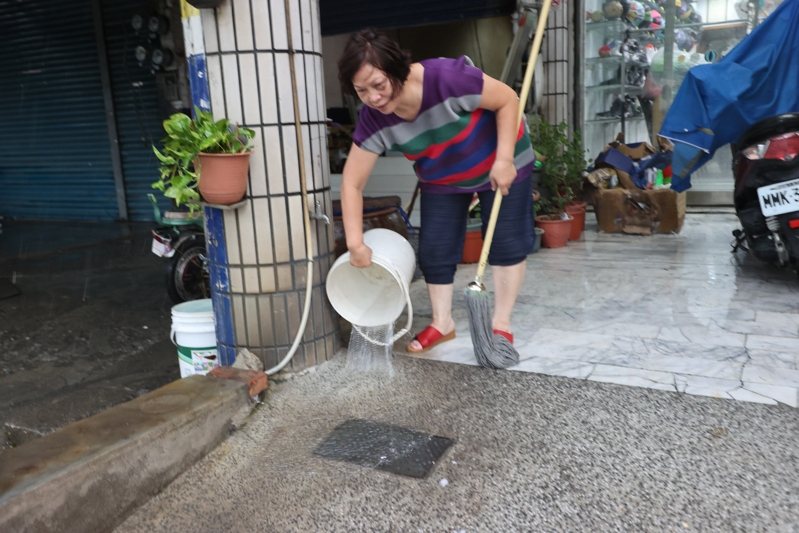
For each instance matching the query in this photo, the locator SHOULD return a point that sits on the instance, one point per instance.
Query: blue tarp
(717, 103)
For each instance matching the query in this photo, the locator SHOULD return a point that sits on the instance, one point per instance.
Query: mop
(495, 351)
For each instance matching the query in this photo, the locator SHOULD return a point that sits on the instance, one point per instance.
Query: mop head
(491, 351)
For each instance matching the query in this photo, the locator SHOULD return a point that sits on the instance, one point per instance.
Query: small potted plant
(203, 158)
(473, 242)
(563, 164)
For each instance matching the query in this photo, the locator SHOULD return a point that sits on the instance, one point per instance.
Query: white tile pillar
(264, 253)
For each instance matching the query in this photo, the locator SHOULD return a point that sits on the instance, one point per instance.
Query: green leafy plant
(563, 163)
(187, 137)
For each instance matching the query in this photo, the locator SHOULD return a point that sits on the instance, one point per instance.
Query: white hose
(306, 217)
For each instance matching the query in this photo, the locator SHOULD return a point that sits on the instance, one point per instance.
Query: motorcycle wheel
(187, 273)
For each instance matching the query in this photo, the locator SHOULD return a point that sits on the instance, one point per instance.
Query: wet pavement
(637, 437)
(530, 452)
(89, 328)
(677, 313)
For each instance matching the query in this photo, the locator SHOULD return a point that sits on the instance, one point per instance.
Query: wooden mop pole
(528, 78)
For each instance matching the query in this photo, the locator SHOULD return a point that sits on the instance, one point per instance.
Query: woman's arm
(356, 173)
(501, 99)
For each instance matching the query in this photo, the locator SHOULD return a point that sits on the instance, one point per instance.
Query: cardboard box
(636, 151)
(640, 212)
(672, 209)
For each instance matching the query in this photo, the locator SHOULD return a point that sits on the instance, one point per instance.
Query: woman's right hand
(361, 256)
(353, 180)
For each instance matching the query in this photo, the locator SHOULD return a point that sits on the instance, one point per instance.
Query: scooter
(766, 170)
(180, 237)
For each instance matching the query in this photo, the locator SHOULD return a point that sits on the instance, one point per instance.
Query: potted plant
(563, 164)
(203, 157)
(473, 242)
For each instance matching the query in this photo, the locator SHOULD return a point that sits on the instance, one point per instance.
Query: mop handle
(528, 78)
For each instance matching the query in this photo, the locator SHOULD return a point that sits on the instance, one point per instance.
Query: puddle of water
(371, 350)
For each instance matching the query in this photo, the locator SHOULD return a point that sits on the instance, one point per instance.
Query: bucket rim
(343, 262)
(202, 306)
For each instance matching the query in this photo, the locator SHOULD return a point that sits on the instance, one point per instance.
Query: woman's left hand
(502, 174)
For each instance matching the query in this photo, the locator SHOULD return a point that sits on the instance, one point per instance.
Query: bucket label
(199, 360)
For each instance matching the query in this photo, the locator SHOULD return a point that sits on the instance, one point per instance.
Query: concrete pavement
(531, 453)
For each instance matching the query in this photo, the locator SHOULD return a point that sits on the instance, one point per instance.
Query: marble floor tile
(747, 395)
(635, 377)
(781, 394)
(755, 327)
(663, 348)
(676, 313)
(710, 335)
(692, 366)
(770, 376)
(556, 367)
(778, 319)
(707, 385)
(779, 344)
(774, 359)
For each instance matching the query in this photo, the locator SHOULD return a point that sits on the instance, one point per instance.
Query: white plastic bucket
(376, 295)
(194, 334)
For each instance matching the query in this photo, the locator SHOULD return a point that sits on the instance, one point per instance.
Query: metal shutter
(136, 104)
(54, 151)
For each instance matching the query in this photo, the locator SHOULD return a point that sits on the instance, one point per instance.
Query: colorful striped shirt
(452, 141)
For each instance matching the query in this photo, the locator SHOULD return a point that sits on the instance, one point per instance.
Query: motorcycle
(766, 171)
(180, 237)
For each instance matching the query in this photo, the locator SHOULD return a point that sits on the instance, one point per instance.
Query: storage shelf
(612, 120)
(619, 26)
(610, 25)
(609, 60)
(628, 89)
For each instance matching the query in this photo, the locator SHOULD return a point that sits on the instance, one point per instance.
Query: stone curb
(89, 475)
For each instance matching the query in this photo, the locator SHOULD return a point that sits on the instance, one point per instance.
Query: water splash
(371, 350)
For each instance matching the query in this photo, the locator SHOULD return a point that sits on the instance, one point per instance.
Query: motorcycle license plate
(779, 198)
(161, 247)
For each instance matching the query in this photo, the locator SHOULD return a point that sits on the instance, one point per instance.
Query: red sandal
(430, 337)
(508, 335)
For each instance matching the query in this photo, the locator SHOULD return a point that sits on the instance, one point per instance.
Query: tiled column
(258, 252)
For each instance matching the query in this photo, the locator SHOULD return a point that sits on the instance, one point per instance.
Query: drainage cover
(384, 447)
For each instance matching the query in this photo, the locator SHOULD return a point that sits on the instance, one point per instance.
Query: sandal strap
(508, 335)
(428, 336)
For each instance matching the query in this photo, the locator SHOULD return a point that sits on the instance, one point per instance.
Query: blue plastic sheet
(717, 103)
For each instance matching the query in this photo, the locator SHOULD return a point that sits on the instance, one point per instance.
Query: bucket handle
(407, 293)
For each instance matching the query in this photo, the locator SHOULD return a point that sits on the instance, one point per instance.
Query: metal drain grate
(384, 447)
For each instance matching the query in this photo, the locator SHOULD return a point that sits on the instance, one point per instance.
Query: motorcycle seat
(768, 127)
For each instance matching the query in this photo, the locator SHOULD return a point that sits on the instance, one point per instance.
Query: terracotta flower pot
(577, 211)
(556, 230)
(223, 177)
(472, 245)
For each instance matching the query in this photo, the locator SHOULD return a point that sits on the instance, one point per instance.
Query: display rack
(609, 103)
(607, 100)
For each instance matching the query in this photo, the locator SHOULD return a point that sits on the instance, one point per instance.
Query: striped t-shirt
(452, 141)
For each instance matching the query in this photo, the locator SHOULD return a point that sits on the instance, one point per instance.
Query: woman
(459, 127)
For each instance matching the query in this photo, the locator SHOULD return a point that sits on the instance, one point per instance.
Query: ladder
(512, 71)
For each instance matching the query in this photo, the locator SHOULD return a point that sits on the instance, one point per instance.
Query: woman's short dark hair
(373, 47)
